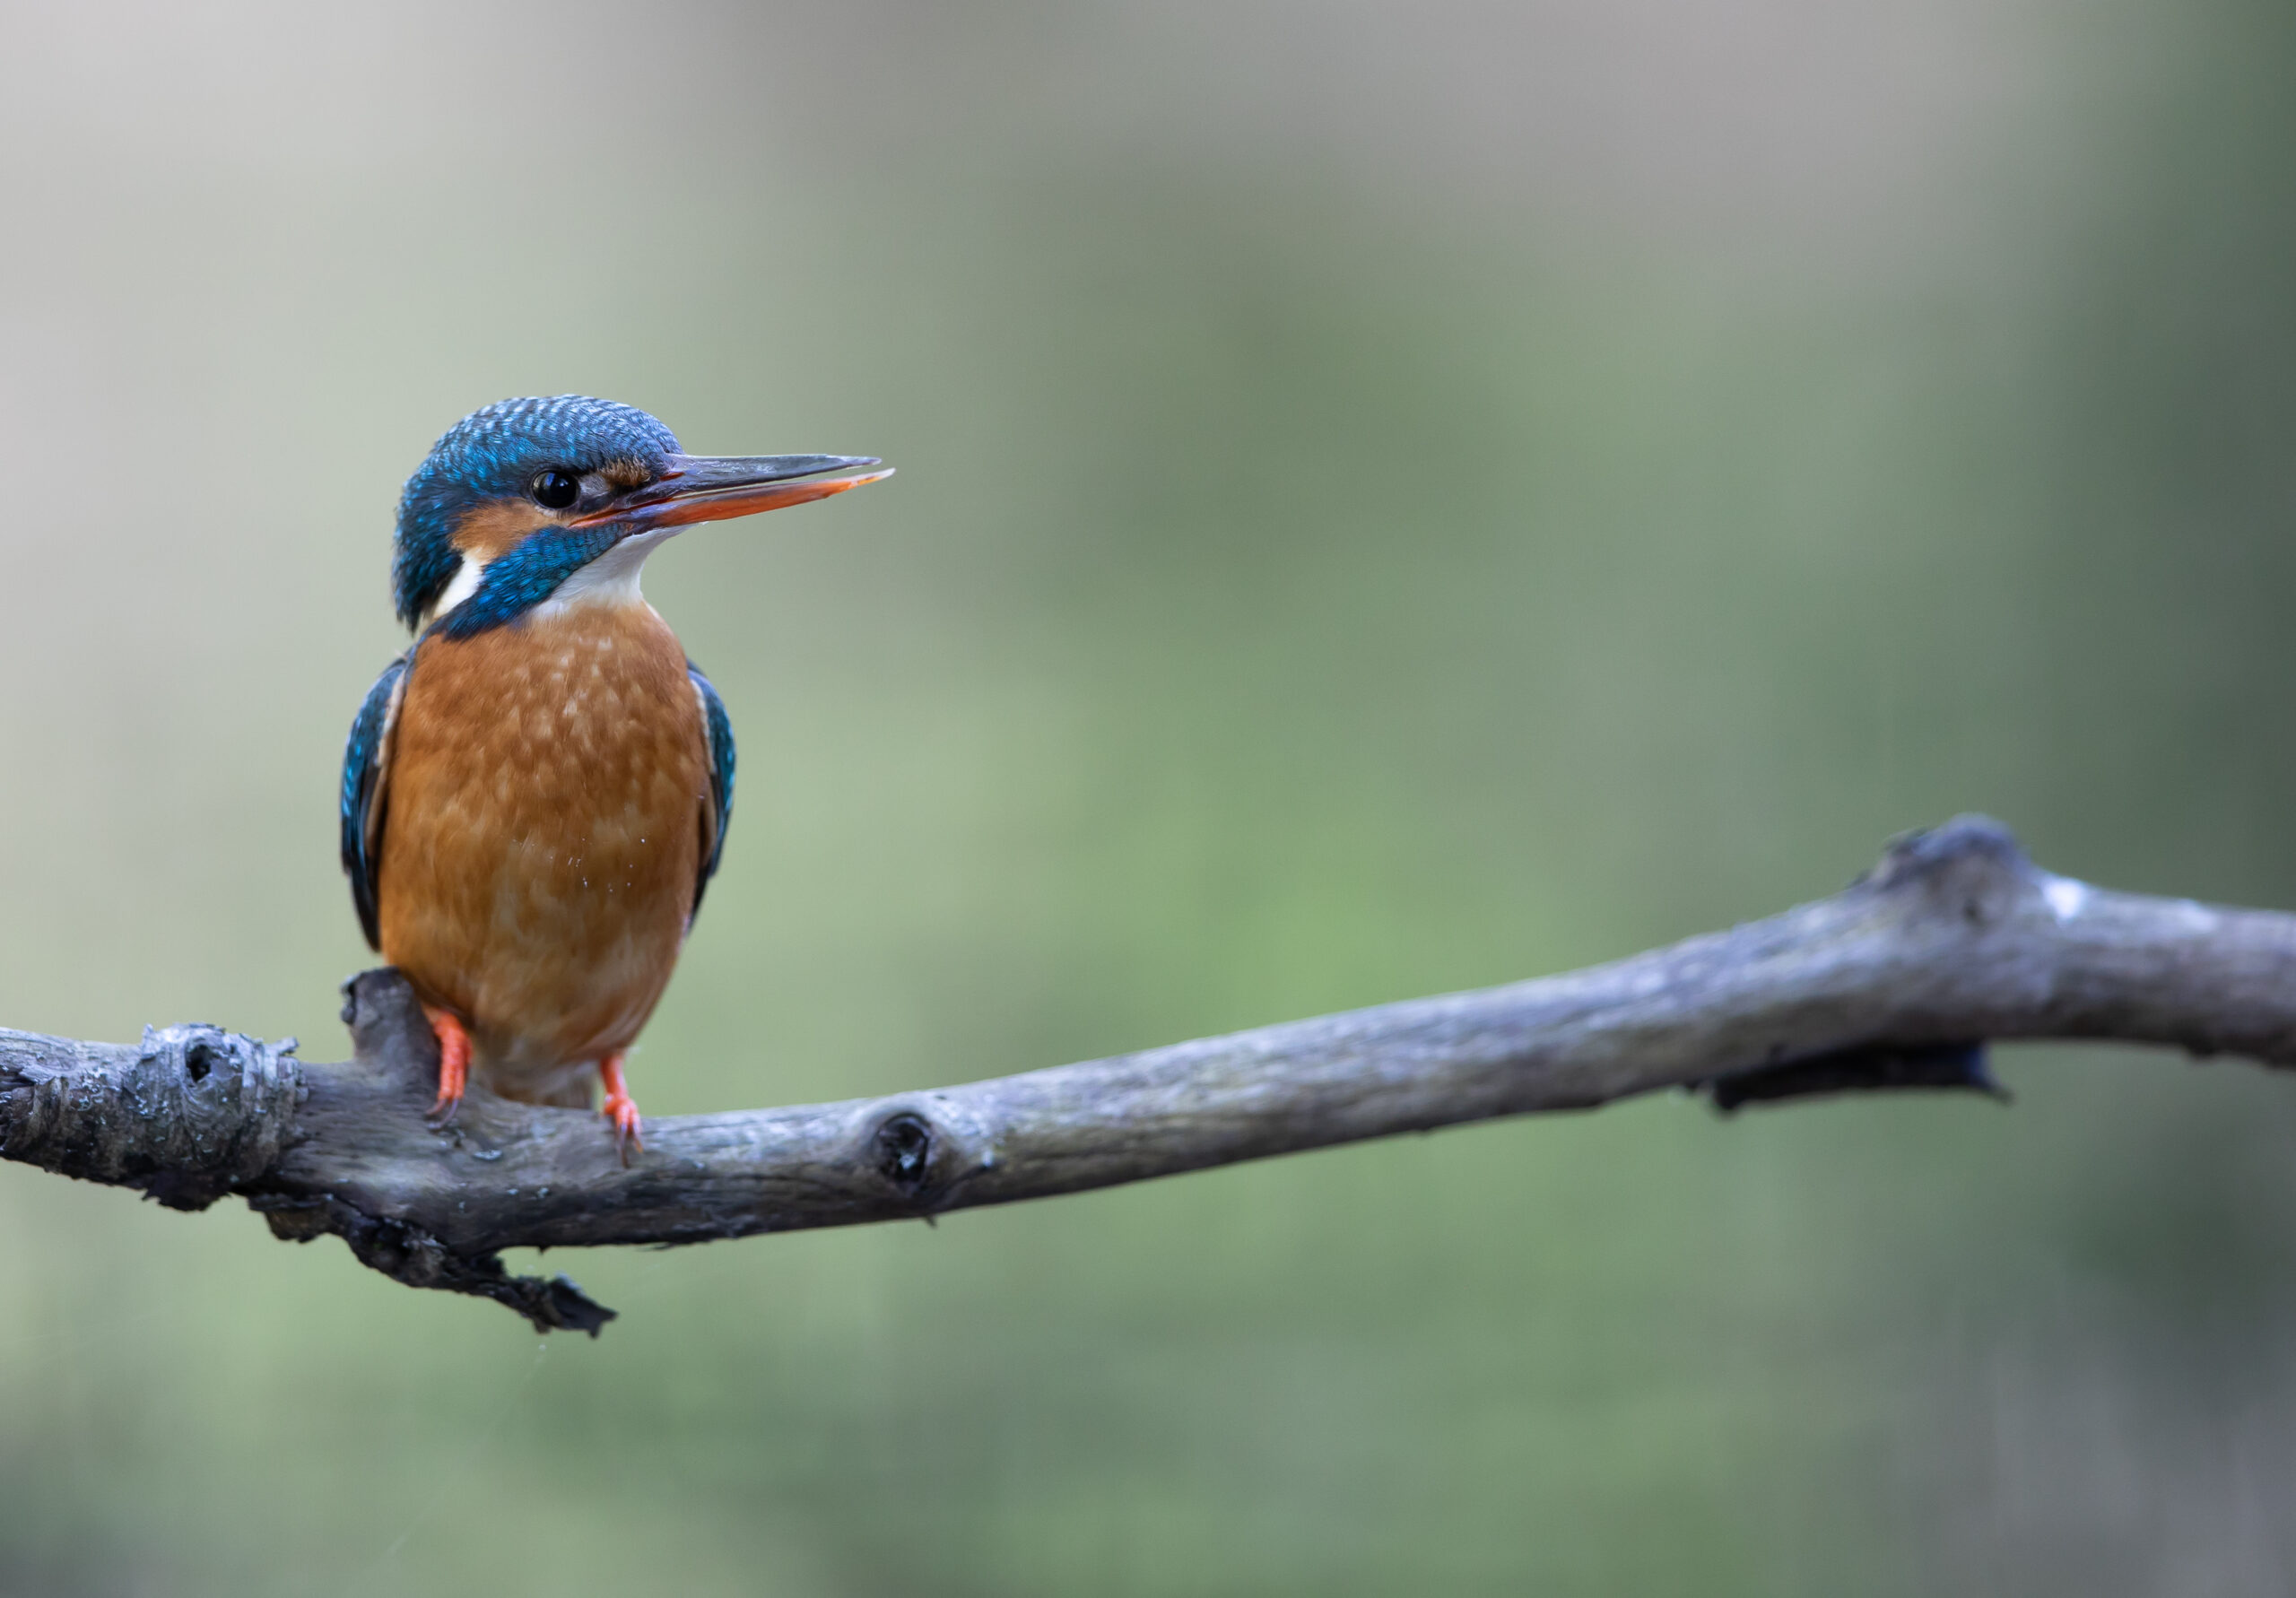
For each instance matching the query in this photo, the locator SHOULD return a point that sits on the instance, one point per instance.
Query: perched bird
(535, 794)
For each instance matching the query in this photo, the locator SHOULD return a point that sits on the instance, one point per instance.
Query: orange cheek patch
(496, 528)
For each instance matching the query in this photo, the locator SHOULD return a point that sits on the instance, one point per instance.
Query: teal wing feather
(718, 813)
(366, 757)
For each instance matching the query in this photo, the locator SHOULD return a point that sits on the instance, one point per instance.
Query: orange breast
(547, 784)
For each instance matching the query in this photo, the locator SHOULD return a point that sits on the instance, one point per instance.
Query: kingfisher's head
(532, 500)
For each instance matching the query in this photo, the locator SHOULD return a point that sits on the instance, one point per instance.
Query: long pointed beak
(698, 487)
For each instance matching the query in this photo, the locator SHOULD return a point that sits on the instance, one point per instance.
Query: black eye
(555, 490)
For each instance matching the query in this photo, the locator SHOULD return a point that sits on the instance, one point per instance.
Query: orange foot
(619, 1108)
(454, 1062)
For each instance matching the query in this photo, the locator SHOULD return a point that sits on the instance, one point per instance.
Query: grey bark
(1954, 938)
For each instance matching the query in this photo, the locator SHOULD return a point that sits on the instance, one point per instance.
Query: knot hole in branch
(905, 1152)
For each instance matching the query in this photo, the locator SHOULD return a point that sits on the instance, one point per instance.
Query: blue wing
(718, 813)
(364, 800)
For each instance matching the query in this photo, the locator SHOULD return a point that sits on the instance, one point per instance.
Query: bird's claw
(620, 1109)
(627, 1134)
(454, 1064)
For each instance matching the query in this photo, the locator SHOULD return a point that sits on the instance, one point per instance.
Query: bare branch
(1952, 940)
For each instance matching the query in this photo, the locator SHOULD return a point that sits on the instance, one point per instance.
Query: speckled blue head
(496, 453)
(519, 498)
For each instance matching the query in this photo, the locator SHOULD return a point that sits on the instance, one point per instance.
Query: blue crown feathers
(493, 453)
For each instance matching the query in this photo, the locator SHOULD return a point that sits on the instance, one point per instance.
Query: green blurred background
(1392, 499)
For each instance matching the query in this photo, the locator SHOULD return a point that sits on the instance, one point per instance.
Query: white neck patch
(465, 585)
(610, 579)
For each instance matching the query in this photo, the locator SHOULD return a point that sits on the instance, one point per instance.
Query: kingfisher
(535, 794)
